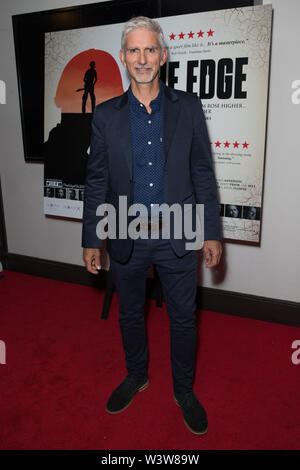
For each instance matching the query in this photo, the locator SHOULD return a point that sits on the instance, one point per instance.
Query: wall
(271, 270)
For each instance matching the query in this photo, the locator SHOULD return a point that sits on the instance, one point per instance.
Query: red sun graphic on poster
(91, 75)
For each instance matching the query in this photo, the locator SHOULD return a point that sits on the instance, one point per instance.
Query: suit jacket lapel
(170, 118)
(123, 124)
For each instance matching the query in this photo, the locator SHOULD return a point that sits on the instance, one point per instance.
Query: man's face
(142, 56)
(233, 211)
(252, 213)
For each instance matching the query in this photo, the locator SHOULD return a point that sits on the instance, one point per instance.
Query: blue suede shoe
(123, 395)
(194, 415)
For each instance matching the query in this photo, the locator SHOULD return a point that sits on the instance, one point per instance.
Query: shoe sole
(194, 432)
(143, 387)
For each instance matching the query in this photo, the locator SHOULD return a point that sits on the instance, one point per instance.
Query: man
(251, 213)
(60, 193)
(233, 211)
(90, 78)
(151, 145)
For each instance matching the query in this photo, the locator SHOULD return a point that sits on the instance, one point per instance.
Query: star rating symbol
(191, 35)
(227, 144)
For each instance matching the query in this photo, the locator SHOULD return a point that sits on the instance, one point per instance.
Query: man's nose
(143, 58)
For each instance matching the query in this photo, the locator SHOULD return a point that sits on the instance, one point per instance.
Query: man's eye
(133, 51)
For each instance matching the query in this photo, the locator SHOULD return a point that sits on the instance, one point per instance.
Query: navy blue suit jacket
(188, 172)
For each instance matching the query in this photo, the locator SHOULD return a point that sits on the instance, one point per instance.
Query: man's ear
(122, 57)
(164, 57)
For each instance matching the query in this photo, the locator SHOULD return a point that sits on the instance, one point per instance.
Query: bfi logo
(2, 352)
(2, 92)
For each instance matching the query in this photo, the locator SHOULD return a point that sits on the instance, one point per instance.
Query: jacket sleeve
(203, 177)
(96, 182)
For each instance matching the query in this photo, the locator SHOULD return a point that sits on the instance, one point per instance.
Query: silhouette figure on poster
(90, 78)
(67, 148)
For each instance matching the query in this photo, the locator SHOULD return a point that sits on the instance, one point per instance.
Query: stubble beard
(144, 80)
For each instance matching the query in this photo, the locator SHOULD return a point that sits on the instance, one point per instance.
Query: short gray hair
(143, 22)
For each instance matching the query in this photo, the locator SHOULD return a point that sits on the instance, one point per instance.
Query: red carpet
(63, 361)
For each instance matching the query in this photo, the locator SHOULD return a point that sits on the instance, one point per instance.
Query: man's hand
(91, 257)
(212, 251)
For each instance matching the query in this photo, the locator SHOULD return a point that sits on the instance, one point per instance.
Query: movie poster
(82, 69)
(221, 56)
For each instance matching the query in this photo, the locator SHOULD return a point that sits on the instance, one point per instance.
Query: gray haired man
(151, 145)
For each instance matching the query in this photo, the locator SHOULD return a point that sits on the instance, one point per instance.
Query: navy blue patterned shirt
(147, 148)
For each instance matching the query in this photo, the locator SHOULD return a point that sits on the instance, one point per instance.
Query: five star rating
(190, 35)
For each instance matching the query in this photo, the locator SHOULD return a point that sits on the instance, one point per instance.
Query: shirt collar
(155, 104)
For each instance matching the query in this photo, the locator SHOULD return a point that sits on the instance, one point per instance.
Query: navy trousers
(179, 280)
